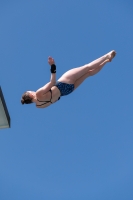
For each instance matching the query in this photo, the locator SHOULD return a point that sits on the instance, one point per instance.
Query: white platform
(4, 115)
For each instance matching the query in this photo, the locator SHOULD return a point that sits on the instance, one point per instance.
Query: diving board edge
(5, 110)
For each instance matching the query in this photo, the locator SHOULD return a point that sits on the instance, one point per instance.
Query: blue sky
(81, 146)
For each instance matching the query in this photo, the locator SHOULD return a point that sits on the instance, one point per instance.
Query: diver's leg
(74, 74)
(90, 73)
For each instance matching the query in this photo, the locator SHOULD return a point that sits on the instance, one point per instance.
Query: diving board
(4, 115)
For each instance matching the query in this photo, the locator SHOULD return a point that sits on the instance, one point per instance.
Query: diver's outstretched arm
(53, 70)
(43, 90)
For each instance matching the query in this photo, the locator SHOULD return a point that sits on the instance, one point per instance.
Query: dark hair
(26, 99)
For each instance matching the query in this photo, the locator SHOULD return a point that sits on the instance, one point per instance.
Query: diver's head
(27, 97)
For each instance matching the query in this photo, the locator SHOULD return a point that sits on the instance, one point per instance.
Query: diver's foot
(111, 55)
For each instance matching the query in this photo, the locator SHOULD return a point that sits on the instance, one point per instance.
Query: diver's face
(31, 94)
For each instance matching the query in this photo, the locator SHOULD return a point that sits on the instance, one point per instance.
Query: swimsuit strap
(45, 102)
(51, 95)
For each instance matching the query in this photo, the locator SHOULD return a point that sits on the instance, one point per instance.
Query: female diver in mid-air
(66, 84)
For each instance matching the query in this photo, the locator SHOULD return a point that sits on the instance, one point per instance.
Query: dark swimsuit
(64, 89)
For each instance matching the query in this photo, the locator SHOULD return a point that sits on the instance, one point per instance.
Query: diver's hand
(51, 60)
